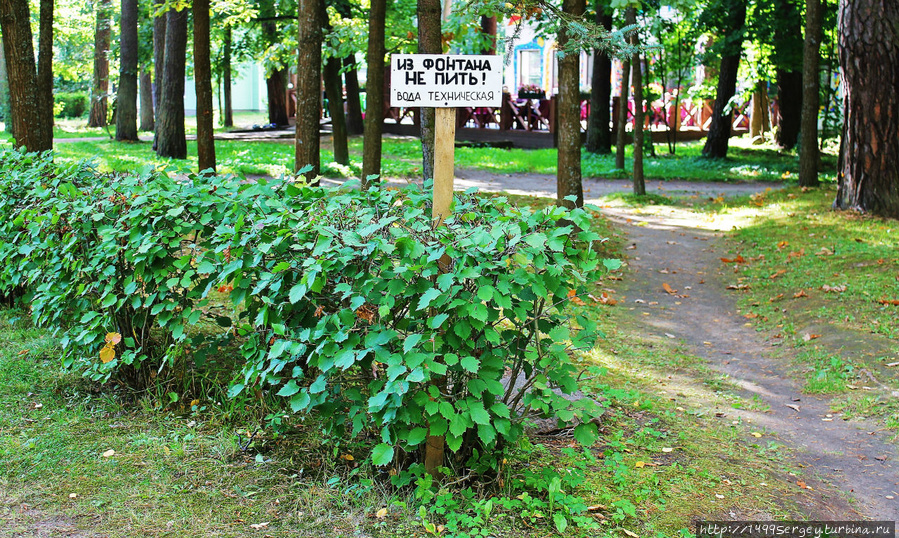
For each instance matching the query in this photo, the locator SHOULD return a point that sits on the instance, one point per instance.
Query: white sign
(442, 80)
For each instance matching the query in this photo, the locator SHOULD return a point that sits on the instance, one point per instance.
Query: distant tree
(787, 59)
(334, 90)
(45, 65)
(159, 20)
(730, 15)
(374, 100)
(126, 99)
(637, 68)
(869, 60)
(228, 112)
(203, 86)
(276, 81)
(100, 87)
(568, 178)
(808, 145)
(620, 133)
(30, 125)
(430, 41)
(599, 132)
(308, 90)
(170, 139)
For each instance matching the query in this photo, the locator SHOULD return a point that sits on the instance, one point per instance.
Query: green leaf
(479, 415)
(235, 390)
(318, 385)
(289, 389)
(560, 521)
(297, 292)
(487, 433)
(612, 264)
(417, 436)
(585, 434)
(485, 293)
(300, 401)
(470, 363)
(437, 321)
(382, 454)
(479, 312)
(427, 298)
(410, 342)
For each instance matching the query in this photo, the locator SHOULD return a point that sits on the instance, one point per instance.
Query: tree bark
(4, 93)
(126, 99)
(45, 70)
(869, 63)
(620, 133)
(568, 178)
(374, 101)
(637, 66)
(203, 86)
(147, 118)
(170, 141)
(228, 112)
(24, 103)
(309, 61)
(100, 87)
(788, 63)
(599, 133)
(158, 65)
(808, 145)
(355, 125)
(719, 131)
(429, 42)
(334, 91)
(276, 86)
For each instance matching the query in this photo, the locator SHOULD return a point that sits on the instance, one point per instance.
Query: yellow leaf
(107, 353)
(640, 464)
(73, 495)
(109, 453)
(113, 338)
(194, 402)
(631, 534)
(668, 289)
(756, 434)
(667, 449)
(381, 514)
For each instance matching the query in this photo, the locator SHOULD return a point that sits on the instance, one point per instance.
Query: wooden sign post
(445, 82)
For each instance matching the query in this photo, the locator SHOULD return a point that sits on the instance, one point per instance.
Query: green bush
(350, 304)
(70, 104)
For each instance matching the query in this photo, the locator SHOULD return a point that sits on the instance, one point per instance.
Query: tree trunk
(599, 134)
(228, 112)
(429, 42)
(158, 65)
(146, 101)
(100, 87)
(719, 131)
(333, 88)
(620, 134)
(808, 145)
(788, 63)
(170, 141)
(355, 125)
(126, 99)
(309, 62)
(18, 48)
(374, 101)
(4, 93)
(276, 86)
(869, 63)
(45, 70)
(637, 66)
(203, 86)
(568, 178)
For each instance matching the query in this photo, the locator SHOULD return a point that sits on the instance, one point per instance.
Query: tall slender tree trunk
(621, 133)
(568, 174)
(203, 85)
(159, 24)
(334, 91)
(374, 100)
(228, 112)
(24, 101)
(100, 87)
(309, 67)
(126, 99)
(599, 133)
(45, 69)
(170, 140)
(719, 131)
(276, 86)
(869, 63)
(788, 62)
(808, 145)
(355, 126)
(147, 118)
(4, 93)
(637, 66)
(429, 42)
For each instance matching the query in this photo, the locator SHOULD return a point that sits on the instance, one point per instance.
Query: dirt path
(676, 248)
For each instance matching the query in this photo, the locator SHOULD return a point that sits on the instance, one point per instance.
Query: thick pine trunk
(309, 63)
(808, 145)
(637, 66)
(126, 99)
(599, 133)
(170, 140)
(429, 42)
(147, 118)
(100, 87)
(374, 101)
(24, 103)
(719, 131)
(869, 63)
(568, 173)
(228, 112)
(203, 85)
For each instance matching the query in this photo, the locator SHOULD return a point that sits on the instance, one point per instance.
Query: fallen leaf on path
(667, 449)
(793, 407)
(258, 526)
(596, 508)
(738, 287)
(738, 259)
(802, 484)
(800, 293)
(885, 301)
(73, 495)
(782, 244)
(668, 289)
(807, 337)
(824, 252)
(751, 315)
(834, 289)
(756, 434)
(669, 335)
(778, 273)
(640, 464)
(891, 364)
(719, 496)
(795, 254)
(776, 298)
(109, 453)
(24, 352)
(631, 534)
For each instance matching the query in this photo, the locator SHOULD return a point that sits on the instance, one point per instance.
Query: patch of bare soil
(677, 289)
(19, 519)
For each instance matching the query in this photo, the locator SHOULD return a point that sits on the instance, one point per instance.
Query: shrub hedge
(345, 303)
(70, 104)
